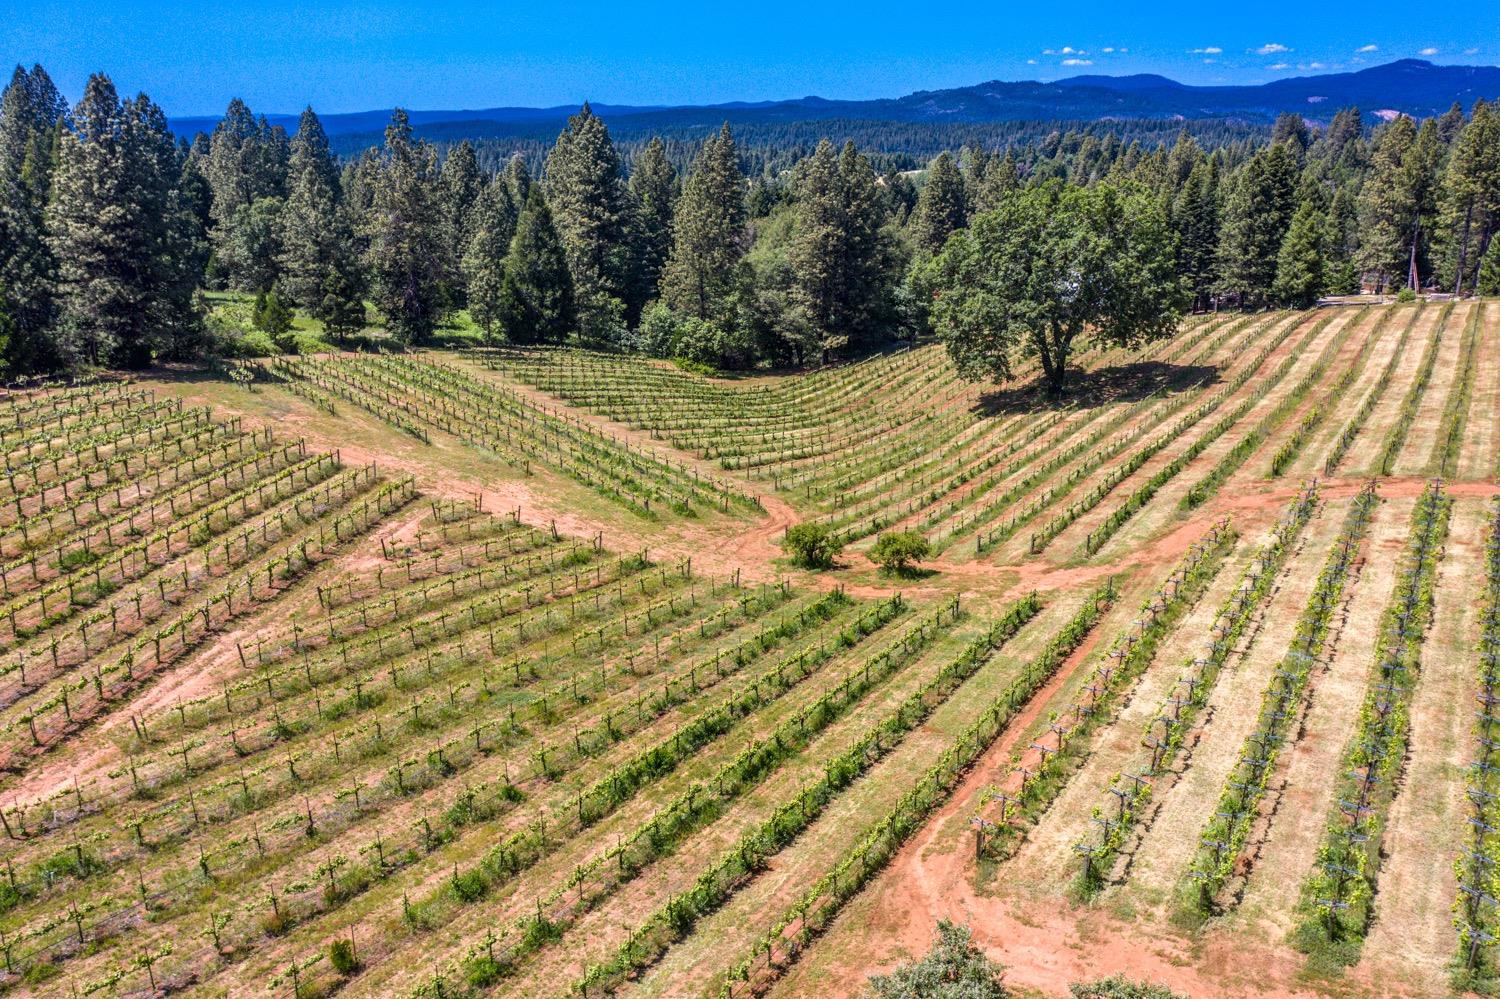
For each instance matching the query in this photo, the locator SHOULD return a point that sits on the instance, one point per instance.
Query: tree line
(110, 229)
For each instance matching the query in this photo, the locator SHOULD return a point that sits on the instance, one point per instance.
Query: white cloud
(1279, 65)
(1271, 48)
(1048, 52)
(1122, 49)
(1368, 48)
(1471, 51)
(1316, 65)
(1209, 62)
(1031, 62)
(1208, 50)
(1429, 50)
(1078, 62)
(1108, 48)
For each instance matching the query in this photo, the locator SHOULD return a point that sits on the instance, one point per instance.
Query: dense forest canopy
(771, 246)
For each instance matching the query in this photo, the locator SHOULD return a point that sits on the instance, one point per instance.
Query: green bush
(954, 967)
(271, 314)
(812, 546)
(1406, 295)
(896, 552)
(1120, 987)
(341, 955)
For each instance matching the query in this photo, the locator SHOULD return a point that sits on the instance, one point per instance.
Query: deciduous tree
(1051, 265)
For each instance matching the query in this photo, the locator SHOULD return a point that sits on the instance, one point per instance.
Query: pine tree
(653, 184)
(176, 245)
(462, 185)
(900, 197)
(942, 206)
(1387, 205)
(1256, 216)
(318, 257)
(248, 248)
(91, 226)
(408, 252)
(7, 329)
(518, 183)
(1292, 130)
(484, 259)
(990, 181)
(247, 161)
(1185, 157)
(246, 168)
(307, 219)
(536, 301)
(1488, 280)
(847, 265)
(31, 116)
(589, 202)
(1471, 195)
(271, 315)
(1195, 224)
(1300, 268)
(1341, 243)
(709, 234)
(127, 264)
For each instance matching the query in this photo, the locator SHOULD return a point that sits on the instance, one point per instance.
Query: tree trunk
(1053, 351)
(1463, 251)
(1411, 267)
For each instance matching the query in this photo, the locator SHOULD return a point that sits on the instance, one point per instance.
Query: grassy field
(482, 672)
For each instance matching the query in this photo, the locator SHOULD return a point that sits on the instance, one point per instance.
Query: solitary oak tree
(1047, 266)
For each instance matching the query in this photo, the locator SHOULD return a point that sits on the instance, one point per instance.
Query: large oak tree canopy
(1047, 266)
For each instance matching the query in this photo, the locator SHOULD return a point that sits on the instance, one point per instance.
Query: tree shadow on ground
(1122, 383)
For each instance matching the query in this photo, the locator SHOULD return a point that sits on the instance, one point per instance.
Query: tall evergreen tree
(176, 243)
(988, 184)
(536, 301)
(1292, 130)
(1341, 243)
(1488, 281)
(1256, 216)
(1195, 225)
(318, 259)
(484, 259)
(461, 186)
(408, 249)
(32, 113)
(1471, 195)
(1388, 207)
(590, 205)
(121, 236)
(942, 206)
(653, 184)
(1185, 156)
(247, 160)
(847, 264)
(246, 169)
(518, 183)
(1300, 269)
(709, 234)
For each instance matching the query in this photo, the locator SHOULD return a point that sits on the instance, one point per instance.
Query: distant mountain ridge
(1411, 86)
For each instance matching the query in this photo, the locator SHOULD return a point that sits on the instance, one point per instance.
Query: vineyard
(483, 673)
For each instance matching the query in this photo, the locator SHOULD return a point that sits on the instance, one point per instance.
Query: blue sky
(345, 56)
